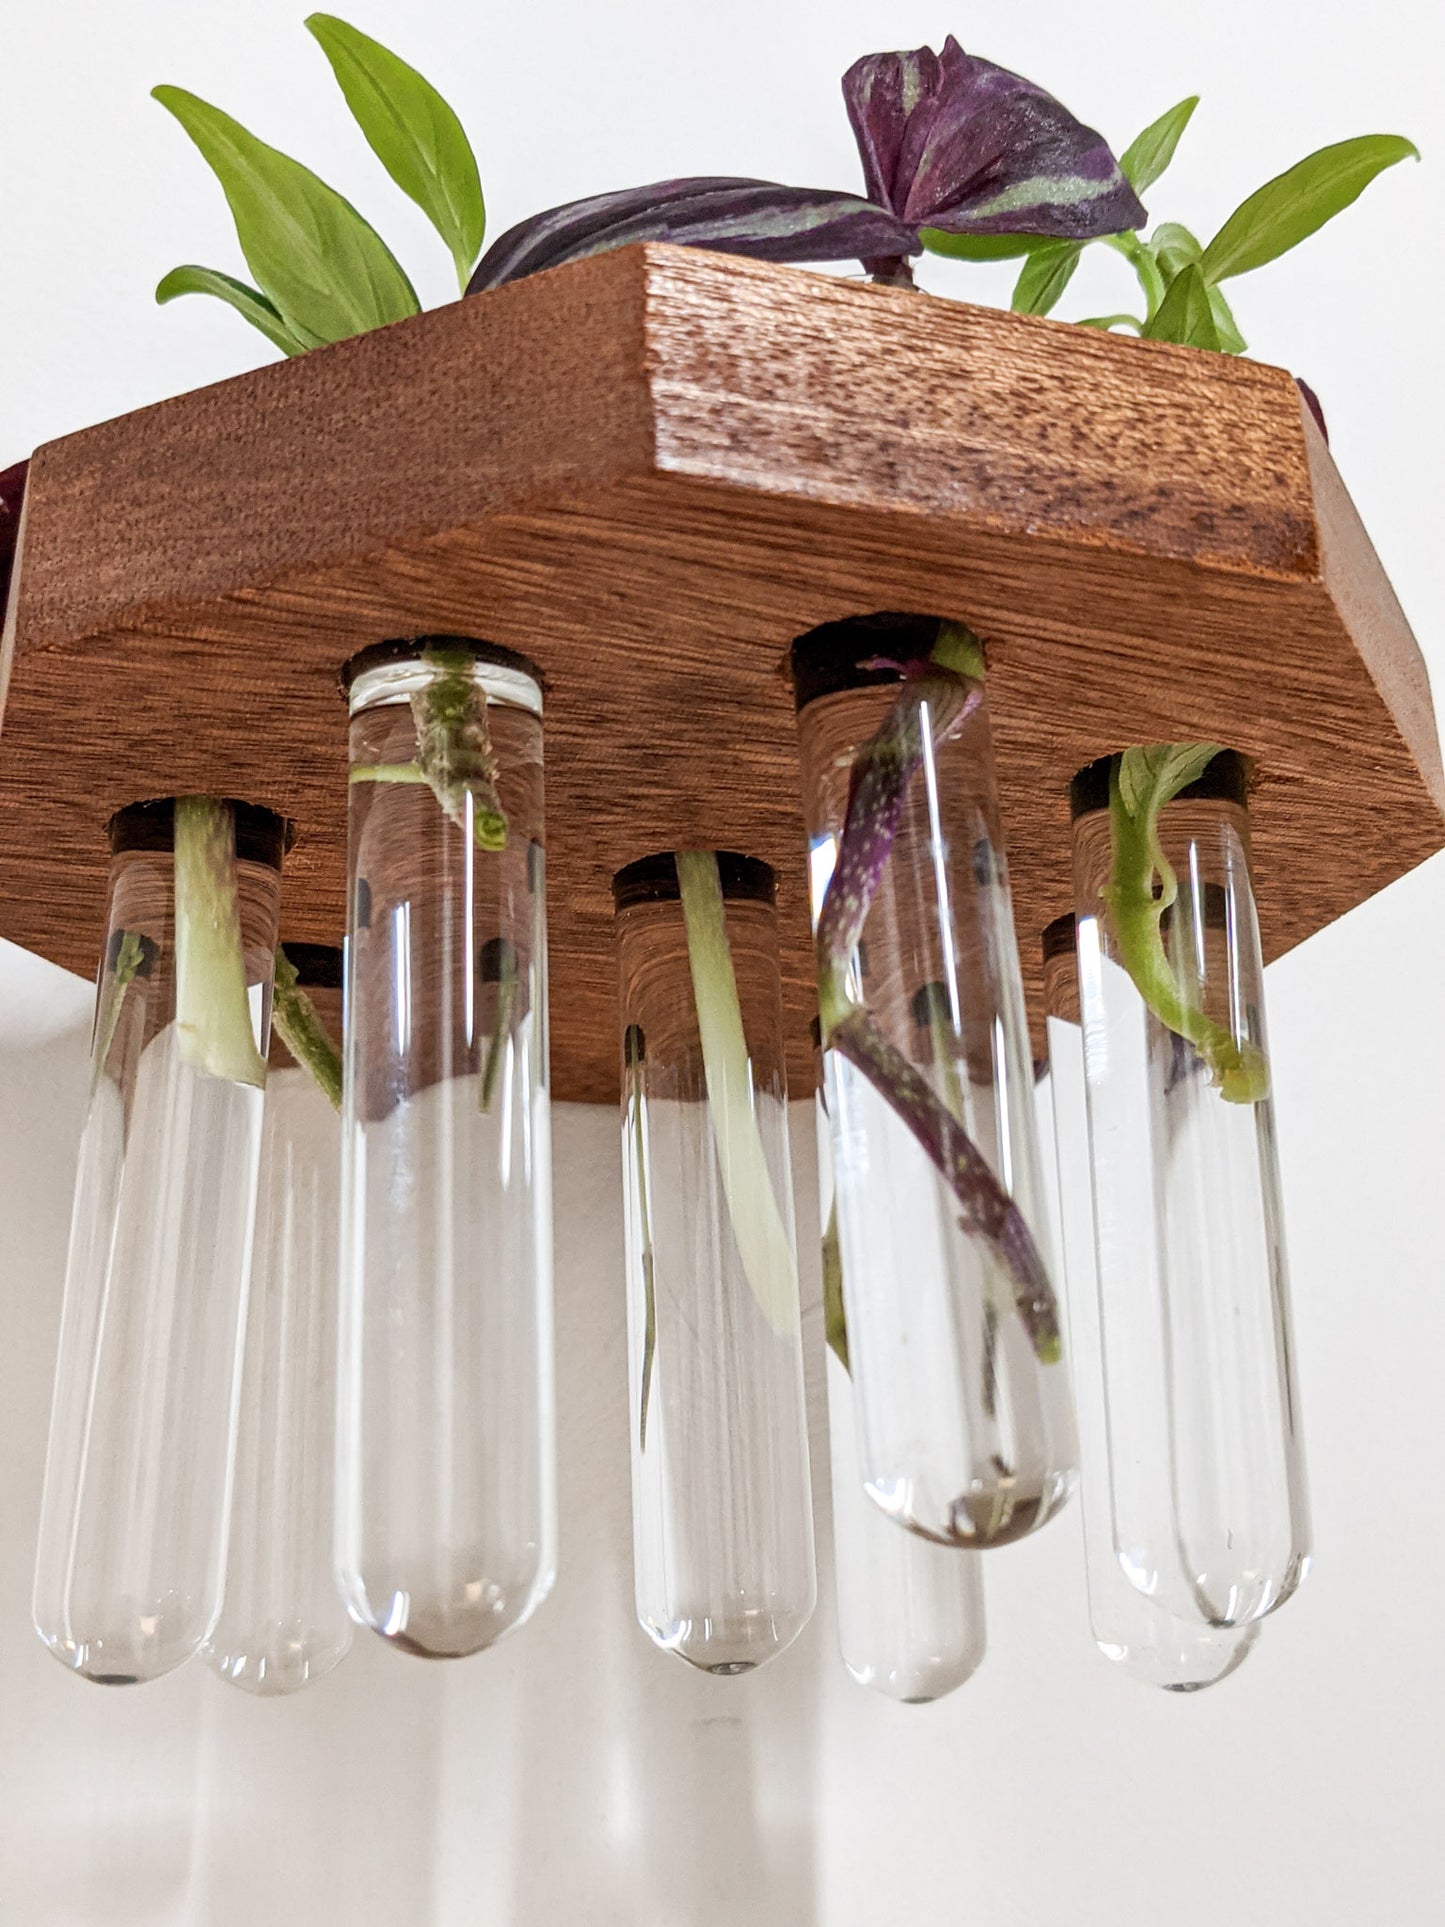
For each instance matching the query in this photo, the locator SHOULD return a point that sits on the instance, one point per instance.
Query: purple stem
(986, 1209)
(882, 773)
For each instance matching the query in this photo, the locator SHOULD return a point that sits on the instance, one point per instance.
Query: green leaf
(1152, 774)
(413, 133)
(248, 302)
(1141, 258)
(1044, 276)
(326, 270)
(1108, 321)
(1146, 158)
(1184, 315)
(1174, 248)
(1231, 341)
(1288, 209)
(982, 247)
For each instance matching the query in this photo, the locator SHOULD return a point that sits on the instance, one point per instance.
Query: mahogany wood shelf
(649, 470)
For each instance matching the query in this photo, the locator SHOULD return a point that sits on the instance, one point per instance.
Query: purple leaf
(762, 219)
(1312, 402)
(12, 493)
(956, 143)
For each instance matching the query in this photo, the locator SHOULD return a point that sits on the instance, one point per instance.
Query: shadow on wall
(625, 1786)
(574, 1774)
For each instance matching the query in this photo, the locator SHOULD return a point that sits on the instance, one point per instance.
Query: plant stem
(762, 1239)
(938, 694)
(299, 1026)
(454, 747)
(502, 1024)
(637, 1124)
(213, 1010)
(1240, 1069)
(986, 1209)
(130, 956)
(835, 1322)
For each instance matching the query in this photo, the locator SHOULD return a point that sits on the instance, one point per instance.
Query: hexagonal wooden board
(649, 470)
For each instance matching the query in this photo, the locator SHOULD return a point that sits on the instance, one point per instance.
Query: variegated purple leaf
(953, 142)
(762, 219)
(12, 493)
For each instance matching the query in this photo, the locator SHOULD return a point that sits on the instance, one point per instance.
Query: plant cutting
(299, 1026)
(1143, 889)
(212, 1007)
(938, 694)
(763, 1243)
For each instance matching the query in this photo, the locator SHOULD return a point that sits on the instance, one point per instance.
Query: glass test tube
(283, 1622)
(965, 1431)
(911, 1620)
(133, 1522)
(1141, 1637)
(722, 1510)
(1208, 1490)
(447, 1506)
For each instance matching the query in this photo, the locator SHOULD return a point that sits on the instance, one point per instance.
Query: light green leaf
(1146, 158)
(1108, 321)
(248, 302)
(982, 247)
(1288, 209)
(1173, 247)
(1184, 315)
(325, 269)
(1141, 258)
(1044, 276)
(413, 133)
(1231, 341)
(1152, 774)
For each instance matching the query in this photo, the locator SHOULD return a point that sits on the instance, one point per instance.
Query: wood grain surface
(648, 471)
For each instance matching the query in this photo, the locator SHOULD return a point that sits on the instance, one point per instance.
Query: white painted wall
(574, 1775)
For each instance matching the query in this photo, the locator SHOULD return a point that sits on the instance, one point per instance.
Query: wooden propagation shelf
(648, 471)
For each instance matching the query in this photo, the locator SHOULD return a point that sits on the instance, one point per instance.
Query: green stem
(1136, 905)
(213, 1010)
(299, 1026)
(637, 1124)
(1146, 269)
(454, 747)
(762, 1238)
(501, 1028)
(133, 956)
(835, 1322)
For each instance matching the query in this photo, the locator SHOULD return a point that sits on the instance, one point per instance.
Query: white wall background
(574, 1775)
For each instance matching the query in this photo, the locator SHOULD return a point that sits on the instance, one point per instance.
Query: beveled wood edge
(634, 438)
(1364, 597)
